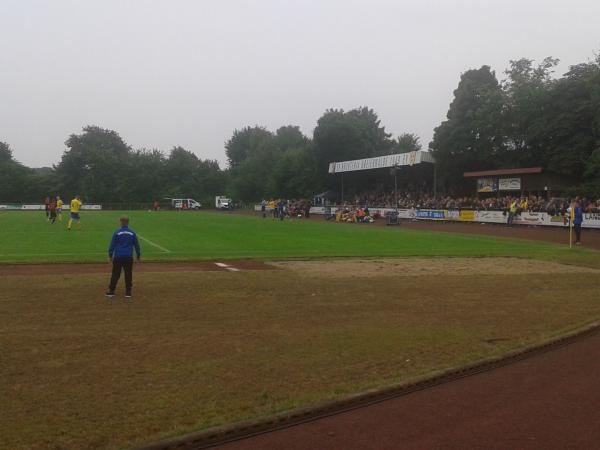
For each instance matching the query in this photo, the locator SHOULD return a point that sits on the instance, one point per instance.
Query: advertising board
(487, 184)
(431, 214)
(509, 184)
(590, 220)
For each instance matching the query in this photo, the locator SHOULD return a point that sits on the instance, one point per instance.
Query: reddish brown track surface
(590, 238)
(548, 401)
(66, 269)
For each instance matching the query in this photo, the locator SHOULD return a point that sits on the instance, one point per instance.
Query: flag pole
(571, 217)
(570, 233)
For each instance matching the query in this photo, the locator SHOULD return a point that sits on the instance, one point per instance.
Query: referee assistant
(120, 252)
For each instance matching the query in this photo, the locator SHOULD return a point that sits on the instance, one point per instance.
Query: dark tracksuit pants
(122, 263)
(577, 228)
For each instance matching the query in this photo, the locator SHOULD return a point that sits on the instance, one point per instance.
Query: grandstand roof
(380, 162)
(502, 172)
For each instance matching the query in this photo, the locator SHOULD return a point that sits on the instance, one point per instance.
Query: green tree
(245, 143)
(290, 137)
(527, 90)
(572, 128)
(145, 175)
(406, 143)
(187, 175)
(17, 183)
(95, 165)
(471, 137)
(341, 136)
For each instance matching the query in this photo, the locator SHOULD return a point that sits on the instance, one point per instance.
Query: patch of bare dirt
(429, 266)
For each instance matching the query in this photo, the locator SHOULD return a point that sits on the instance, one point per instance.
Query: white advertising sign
(509, 184)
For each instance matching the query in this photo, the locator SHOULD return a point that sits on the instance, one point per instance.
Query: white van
(185, 204)
(222, 202)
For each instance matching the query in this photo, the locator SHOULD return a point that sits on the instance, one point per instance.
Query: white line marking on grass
(164, 250)
(227, 267)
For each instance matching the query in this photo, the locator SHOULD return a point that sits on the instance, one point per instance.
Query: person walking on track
(124, 241)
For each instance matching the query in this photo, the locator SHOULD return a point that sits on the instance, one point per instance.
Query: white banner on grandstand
(509, 184)
(381, 162)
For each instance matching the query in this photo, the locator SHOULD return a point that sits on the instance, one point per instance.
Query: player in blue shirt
(124, 242)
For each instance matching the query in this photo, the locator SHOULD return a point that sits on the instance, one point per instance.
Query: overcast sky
(189, 72)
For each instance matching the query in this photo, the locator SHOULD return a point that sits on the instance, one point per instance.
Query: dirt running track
(194, 266)
(549, 401)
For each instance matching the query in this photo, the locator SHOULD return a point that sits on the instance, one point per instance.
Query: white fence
(66, 207)
(590, 220)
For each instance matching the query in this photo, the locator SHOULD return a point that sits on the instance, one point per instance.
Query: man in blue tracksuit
(577, 221)
(120, 252)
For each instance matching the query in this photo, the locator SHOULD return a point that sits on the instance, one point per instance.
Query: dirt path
(549, 401)
(193, 266)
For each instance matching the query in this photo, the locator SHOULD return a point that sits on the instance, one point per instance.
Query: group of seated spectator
(530, 203)
(358, 215)
(288, 208)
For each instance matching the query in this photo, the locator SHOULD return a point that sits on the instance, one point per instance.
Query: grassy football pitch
(197, 349)
(28, 237)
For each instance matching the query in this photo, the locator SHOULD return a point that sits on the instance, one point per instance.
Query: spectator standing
(577, 221)
(512, 212)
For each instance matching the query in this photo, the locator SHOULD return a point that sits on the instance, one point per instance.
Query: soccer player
(52, 211)
(75, 208)
(59, 206)
(120, 252)
(47, 207)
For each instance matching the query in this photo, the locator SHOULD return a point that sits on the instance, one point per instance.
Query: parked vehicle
(223, 202)
(184, 204)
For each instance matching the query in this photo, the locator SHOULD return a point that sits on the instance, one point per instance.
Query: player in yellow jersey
(75, 208)
(59, 206)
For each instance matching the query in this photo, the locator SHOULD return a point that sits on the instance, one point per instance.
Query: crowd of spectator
(531, 203)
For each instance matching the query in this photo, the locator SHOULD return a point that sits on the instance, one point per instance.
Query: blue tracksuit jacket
(578, 219)
(124, 240)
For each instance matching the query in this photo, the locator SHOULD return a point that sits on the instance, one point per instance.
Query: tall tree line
(102, 167)
(528, 118)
